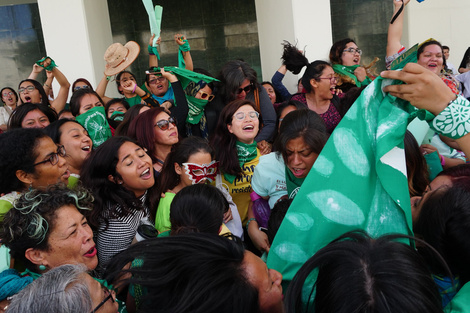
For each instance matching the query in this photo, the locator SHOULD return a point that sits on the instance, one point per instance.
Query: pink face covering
(197, 172)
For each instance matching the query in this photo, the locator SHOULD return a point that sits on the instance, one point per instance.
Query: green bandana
(349, 71)
(183, 48)
(245, 153)
(196, 109)
(48, 68)
(94, 121)
(292, 183)
(357, 182)
(185, 76)
(117, 116)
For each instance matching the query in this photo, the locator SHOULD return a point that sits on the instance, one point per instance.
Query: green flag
(358, 182)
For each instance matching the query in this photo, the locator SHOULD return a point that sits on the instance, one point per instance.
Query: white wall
(447, 21)
(76, 35)
(303, 21)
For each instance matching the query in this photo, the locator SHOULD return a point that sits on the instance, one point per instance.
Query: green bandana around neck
(94, 121)
(292, 183)
(245, 153)
(196, 109)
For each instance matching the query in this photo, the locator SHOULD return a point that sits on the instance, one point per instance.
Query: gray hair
(60, 290)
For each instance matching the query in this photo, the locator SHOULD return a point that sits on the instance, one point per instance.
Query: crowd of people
(196, 192)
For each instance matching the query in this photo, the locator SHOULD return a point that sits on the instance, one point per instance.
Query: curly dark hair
(33, 217)
(292, 58)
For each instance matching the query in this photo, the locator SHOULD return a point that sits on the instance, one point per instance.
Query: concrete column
(76, 35)
(303, 21)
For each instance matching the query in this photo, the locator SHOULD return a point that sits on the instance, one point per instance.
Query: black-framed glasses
(29, 88)
(241, 115)
(246, 89)
(81, 87)
(54, 157)
(160, 79)
(165, 124)
(353, 50)
(6, 94)
(106, 298)
(205, 95)
(333, 80)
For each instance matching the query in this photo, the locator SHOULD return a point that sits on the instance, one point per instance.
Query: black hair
(301, 123)
(277, 216)
(12, 90)
(292, 58)
(198, 208)
(114, 101)
(33, 217)
(195, 273)
(180, 153)
(357, 273)
(53, 129)
(118, 79)
(76, 99)
(129, 116)
(18, 114)
(97, 167)
(17, 152)
(278, 95)
(231, 76)
(313, 71)
(38, 86)
(444, 223)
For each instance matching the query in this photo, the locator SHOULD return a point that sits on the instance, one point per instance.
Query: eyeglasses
(353, 50)
(205, 95)
(241, 115)
(246, 89)
(109, 296)
(81, 87)
(54, 157)
(165, 124)
(29, 88)
(157, 80)
(6, 94)
(333, 80)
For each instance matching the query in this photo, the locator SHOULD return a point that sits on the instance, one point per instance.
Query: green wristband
(249, 221)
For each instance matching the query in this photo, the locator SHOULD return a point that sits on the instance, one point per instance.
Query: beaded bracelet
(454, 120)
(249, 221)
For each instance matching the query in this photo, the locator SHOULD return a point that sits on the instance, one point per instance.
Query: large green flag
(358, 182)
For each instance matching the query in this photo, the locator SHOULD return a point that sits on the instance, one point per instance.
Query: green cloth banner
(358, 182)
(94, 121)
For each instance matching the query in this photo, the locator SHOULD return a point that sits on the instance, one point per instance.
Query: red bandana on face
(197, 172)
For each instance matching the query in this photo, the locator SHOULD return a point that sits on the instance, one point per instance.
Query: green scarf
(292, 183)
(94, 121)
(357, 182)
(245, 153)
(349, 71)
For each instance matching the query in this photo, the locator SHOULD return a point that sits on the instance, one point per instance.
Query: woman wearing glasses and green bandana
(345, 57)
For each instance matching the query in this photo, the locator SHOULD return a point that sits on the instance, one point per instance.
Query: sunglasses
(241, 115)
(54, 157)
(81, 87)
(247, 89)
(353, 50)
(157, 80)
(165, 124)
(29, 88)
(205, 95)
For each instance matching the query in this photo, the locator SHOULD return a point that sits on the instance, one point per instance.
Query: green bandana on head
(292, 183)
(357, 182)
(245, 153)
(94, 121)
(349, 71)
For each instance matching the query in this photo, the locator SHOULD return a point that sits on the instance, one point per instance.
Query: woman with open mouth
(45, 229)
(345, 57)
(10, 102)
(319, 81)
(120, 174)
(78, 144)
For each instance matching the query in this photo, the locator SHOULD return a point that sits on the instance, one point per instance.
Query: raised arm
(426, 90)
(276, 80)
(395, 29)
(101, 89)
(35, 71)
(188, 60)
(153, 60)
(59, 102)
